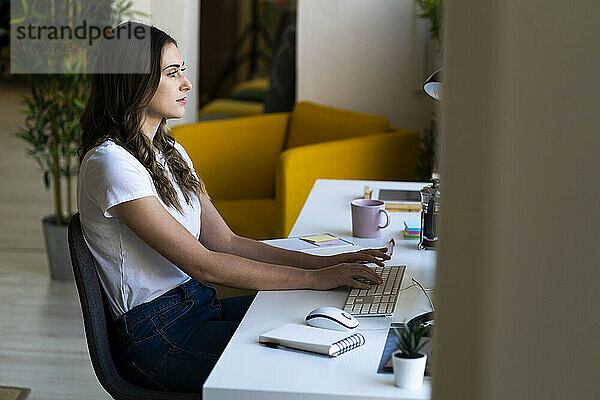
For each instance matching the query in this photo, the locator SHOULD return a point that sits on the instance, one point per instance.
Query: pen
(390, 247)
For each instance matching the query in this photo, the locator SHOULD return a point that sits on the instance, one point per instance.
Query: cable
(373, 330)
(417, 283)
(424, 291)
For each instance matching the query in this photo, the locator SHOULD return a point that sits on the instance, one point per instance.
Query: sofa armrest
(236, 158)
(385, 156)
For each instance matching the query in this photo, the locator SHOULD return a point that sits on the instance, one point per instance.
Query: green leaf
(79, 104)
(17, 20)
(409, 339)
(25, 6)
(37, 15)
(420, 346)
(47, 179)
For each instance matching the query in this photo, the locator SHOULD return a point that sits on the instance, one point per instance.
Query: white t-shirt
(130, 271)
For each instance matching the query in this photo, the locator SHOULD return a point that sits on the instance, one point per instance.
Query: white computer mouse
(331, 318)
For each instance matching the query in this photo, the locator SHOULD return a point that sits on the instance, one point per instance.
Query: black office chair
(95, 317)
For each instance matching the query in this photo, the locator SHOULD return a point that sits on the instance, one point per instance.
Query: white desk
(249, 370)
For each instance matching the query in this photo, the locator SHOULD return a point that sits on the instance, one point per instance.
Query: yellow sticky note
(319, 238)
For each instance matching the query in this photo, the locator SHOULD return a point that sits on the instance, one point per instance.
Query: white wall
(181, 20)
(365, 56)
(518, 272)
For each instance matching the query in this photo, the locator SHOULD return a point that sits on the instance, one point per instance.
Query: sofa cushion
(314, 123)
(253, 218)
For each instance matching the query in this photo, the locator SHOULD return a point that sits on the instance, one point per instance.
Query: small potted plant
(408, 361)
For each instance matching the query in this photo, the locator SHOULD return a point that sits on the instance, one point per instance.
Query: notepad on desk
(325, 239)
(309, 242)
(314, 340)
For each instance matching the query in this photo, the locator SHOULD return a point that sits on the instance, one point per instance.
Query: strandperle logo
(67, 36)
(81, 32)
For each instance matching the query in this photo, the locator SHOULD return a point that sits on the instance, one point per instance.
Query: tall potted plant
(51, 129)
(52, 110)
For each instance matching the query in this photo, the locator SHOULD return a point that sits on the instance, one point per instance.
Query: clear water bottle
(430, 212)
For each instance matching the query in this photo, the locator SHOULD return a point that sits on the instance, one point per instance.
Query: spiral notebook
(314, 340)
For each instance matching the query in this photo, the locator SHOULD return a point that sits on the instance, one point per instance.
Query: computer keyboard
(378, 300)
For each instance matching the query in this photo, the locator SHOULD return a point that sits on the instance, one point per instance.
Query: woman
(155, 234)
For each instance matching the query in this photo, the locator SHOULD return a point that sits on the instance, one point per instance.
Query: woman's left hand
(376, 256)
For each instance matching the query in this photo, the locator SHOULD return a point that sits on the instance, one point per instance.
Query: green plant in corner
(427, 151)
(409, 340)
(51, 129)
(431, 10)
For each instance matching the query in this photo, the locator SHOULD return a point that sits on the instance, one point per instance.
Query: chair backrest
(95, 319)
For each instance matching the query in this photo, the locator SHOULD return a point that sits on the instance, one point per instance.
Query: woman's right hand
(344, 274)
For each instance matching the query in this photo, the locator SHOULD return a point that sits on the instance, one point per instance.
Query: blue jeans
(172, 342)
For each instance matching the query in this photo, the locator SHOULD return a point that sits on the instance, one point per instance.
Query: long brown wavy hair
(115, 111)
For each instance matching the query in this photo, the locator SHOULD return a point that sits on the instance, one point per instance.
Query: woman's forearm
(238, 271)
(259, 251)
(235, 271)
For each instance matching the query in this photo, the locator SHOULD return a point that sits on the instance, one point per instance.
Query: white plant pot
(408, 372)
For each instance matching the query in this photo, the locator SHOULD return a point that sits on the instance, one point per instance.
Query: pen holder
(430, 211)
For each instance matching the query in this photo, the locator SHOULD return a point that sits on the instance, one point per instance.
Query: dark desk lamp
(433, 85)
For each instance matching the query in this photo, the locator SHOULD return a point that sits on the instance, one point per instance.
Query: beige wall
(518, 275)
(365, 56)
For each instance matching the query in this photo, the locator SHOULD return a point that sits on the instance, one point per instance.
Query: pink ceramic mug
(366, 218)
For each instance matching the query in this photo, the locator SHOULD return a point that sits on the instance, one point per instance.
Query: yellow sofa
(259, 170)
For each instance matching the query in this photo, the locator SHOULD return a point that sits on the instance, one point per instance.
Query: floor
(42, 343)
